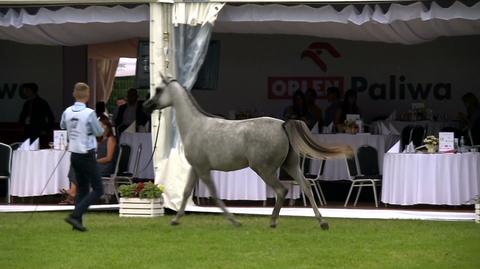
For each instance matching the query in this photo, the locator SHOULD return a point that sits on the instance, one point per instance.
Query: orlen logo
(285, 87)
(316, 49)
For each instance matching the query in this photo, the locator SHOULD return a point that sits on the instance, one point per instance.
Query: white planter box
(140, 207)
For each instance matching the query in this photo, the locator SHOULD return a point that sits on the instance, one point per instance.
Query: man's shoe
(76, 224)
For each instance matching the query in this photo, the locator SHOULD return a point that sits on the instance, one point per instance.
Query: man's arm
(23, 114)
(63, 122)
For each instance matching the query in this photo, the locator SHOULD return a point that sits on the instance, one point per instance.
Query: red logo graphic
(316, 49)
(285, 87)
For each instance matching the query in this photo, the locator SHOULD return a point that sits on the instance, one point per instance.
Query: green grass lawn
(210, 241)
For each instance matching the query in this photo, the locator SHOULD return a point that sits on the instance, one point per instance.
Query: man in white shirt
(82, 128)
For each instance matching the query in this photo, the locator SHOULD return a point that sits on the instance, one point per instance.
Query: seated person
(299, 111)
(100, 109)
(314, 113)
(107, 149)
(349, 106)
(333, 97)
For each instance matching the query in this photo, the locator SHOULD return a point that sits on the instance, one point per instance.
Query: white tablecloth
(337, 169)
(31, 171)
(242, 184)
(443, 179)
(134, 140)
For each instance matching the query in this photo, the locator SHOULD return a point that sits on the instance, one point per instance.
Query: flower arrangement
(431, 140)
(350, 126)
(142, 190)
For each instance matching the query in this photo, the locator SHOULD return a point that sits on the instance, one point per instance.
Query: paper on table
(131, 128)
(395, 148)
(35, 145)
(25, 145)
(330, 128)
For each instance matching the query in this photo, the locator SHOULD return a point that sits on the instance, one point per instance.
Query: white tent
(398, 23)
(68, 26)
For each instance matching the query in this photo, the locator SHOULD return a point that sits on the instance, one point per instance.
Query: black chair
(6, 166)
(405, 137)
(368, 160)
(15, 145)
(368, 157)
(313, 180)
(417, 135)
(121, 174)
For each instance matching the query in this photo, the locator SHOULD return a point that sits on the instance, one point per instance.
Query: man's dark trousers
(86, 172)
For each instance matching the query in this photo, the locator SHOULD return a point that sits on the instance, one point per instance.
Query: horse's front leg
(207, 179)
(192, 179)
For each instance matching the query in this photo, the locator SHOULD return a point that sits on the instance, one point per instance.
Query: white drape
(172, 168)
(405, 24)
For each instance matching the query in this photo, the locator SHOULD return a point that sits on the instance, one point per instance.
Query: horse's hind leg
(271, 180)
(192, 179)
(291, 166)
(207, 179)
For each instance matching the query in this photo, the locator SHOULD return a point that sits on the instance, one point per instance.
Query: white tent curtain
(70, 26)
(103, 71)
(103, 61)
(193, 23)
(405, 24)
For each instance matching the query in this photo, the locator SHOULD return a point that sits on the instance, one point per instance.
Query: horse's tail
(302, 142)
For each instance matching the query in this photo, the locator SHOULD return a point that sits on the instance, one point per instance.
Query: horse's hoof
(324, 225)
(273, 225)
(174, 222)
(237, 224)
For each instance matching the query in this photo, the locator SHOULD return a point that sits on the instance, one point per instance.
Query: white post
(160, 58)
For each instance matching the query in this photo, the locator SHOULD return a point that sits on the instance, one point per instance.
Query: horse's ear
(166, 78)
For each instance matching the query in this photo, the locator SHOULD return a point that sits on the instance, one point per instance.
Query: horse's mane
(197, 106)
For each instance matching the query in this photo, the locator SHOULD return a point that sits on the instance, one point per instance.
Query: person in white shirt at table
(82, 128)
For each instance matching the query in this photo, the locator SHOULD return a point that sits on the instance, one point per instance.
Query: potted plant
(431, 142)
(141, 200)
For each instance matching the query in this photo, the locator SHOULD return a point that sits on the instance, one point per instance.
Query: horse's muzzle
(149, 106)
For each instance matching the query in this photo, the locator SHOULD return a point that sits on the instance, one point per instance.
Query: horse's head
(161, 99)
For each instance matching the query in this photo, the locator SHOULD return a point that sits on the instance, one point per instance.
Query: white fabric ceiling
(75, 26)
(400, 24)
(405, 24)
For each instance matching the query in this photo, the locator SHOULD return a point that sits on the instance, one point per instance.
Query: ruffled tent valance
(70, 26)
(405, 24)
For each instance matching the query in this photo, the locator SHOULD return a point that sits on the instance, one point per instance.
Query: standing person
(82, 127)
(36, 116)
(471, 121)
(130, 112)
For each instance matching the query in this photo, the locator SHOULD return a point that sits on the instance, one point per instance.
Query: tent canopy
(397, 23)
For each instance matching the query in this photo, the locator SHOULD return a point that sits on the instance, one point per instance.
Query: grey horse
(263, 144)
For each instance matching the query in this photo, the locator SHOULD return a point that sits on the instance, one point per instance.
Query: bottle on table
(462, 143)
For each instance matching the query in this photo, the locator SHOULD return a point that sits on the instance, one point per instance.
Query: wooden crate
(141, 207)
